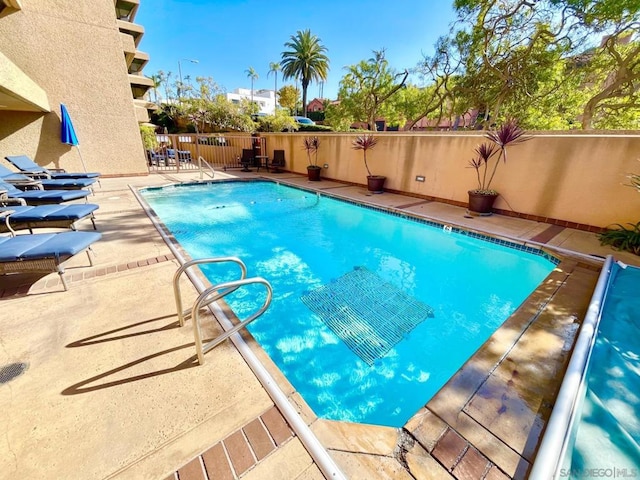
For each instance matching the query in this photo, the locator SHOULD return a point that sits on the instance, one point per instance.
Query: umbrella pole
(81, 159)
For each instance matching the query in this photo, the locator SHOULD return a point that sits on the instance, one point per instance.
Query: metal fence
(180, 152)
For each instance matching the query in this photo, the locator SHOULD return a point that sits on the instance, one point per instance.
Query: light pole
(192, 60)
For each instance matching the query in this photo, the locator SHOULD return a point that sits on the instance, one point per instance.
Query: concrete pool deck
(111, 389)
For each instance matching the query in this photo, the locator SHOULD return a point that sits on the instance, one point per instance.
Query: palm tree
(306, 60)
(275, 68)
(253, 75)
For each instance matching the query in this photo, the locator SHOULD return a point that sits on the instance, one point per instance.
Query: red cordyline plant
(508, 134)
(364, 142)
(311, 145)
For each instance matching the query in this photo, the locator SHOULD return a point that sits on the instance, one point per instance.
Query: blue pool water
(299, 242)
(608, 433)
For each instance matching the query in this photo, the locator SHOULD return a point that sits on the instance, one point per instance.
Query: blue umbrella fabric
(68, 133)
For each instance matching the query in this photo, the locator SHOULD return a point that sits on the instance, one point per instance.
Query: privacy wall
(576, 178)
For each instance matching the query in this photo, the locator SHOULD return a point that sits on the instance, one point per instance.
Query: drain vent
(11, 371)
(368, 314)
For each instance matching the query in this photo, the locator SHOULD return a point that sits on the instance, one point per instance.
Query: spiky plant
(508, 134)
(311, 145)
(364, 142)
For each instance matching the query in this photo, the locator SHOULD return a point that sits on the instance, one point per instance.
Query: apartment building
(265, 99)
(82, 54)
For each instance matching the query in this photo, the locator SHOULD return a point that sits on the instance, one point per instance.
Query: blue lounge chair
(24, 182)
(46, 216)
(41, 197)
(26, 165)
(43, 252)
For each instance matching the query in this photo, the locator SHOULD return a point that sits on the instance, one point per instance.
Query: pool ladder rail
(212, 294)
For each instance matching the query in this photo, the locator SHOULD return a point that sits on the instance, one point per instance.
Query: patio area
(111, 388)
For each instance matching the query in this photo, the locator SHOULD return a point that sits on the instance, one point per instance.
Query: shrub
(314, 128)
(622, 238)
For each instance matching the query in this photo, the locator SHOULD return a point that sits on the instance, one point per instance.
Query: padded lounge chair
(183, 155)
(46, 216)
(278, 161)
(43, 252)
(247, 159)
(155, 159)
(23, 182)
(41, 197)
(26, 165)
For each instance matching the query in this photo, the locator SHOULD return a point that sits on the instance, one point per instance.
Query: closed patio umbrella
(68, 133)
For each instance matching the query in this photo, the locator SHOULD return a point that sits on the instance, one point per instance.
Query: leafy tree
(438, 74)
(278, 122)
(366, 88)
(288, 96)
(520, 55)
(305, 60)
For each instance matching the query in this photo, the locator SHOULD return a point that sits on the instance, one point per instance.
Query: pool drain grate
(11, 371)
(368, 314)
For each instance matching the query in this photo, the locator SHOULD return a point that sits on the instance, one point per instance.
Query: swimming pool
(595, 425)
(422, 298)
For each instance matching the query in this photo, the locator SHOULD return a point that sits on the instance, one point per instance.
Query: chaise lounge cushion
(21, 180)
(43, 213)
(35, 197)
(24, 163)
(45, 245)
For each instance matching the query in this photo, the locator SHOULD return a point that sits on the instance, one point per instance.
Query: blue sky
(227, 37)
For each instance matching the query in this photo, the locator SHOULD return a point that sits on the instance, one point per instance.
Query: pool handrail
(201, 160)
(557, 436)
(222, 290)
(185, 314)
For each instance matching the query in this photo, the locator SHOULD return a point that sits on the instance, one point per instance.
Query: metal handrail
(201, 160)
(224, 289)
(183, 268)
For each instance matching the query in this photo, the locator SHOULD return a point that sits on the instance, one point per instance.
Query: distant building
(88, 59)
(316, 105)
(266, 99)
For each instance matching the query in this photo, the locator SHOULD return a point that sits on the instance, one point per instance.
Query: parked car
(304, 120)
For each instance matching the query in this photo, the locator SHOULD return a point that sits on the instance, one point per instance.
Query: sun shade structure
(368, 314)
(68, 133)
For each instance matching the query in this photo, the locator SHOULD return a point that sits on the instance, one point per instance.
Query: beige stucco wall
(73, 51)
(573, 177)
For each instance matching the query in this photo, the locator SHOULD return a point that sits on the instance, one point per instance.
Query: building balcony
(18, 91)
(126, 9)
(140, 85)
(139, 61)
(9, 6)
(133, 29)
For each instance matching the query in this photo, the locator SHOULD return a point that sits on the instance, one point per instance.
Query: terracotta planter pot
(481, 204)
(313, 173)
(375, 183)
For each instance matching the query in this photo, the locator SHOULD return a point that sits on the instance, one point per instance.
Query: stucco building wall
(73, 51)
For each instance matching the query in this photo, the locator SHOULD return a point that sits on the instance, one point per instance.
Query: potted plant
(375, 183)
(311, 145)
(481, 199)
